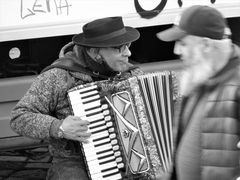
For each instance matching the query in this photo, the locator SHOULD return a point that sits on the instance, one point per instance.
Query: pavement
(24, 164)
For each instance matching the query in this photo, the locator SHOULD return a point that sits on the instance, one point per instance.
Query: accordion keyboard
(102, 151)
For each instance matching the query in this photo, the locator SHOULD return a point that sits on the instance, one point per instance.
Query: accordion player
(131, 125)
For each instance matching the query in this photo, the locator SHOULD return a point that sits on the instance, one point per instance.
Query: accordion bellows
(141, 109)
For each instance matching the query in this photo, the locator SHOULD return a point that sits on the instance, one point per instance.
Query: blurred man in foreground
(208, 123)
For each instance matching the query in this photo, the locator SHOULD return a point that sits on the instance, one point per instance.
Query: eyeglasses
(121, 48)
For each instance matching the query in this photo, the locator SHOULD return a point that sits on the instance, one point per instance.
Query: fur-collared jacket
(45, 105)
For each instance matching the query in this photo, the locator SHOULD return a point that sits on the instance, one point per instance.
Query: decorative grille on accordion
(138, 117)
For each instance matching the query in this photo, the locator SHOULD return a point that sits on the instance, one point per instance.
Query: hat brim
(130, 35)
(172, 34)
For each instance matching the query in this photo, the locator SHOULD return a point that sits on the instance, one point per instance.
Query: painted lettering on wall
(154, 12)
(150, 13)
(62, 7)
(45, 6)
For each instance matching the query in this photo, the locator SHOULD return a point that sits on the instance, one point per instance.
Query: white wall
(24, 19)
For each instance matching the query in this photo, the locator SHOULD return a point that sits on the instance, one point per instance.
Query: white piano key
(96, 168)
(88, 88)
(85, 100)
(77, 98)
(88, 93)
(92, 130)
(96, 116)
(115, 176)
(97, 153)
(89, 146)
(98, 120)
(94, 123)
(93, 117)
(110, 152)
(78, 110)
(74, 96)
(93, 145)
(98, 135)
(101, 107)
(104, 173)
(98, 139)
(97, 143)
(93, 160)
(93, 104)
(97, 178)
(92, 111)
(99, 156)
(91, 150)
(82, 109)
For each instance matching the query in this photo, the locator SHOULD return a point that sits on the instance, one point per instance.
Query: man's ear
(93, 51)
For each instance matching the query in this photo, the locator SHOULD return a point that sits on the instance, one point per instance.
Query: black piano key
(104, 129)
(108, 169)
(105, 162)
(111, 174)
(98, 139)
(97, 145)
(92, 100)
(88, 89)
(97, 126)
(96, 121)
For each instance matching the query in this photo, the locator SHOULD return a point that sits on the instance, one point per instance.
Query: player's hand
(75, 128)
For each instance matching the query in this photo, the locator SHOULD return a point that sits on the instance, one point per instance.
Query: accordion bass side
(131, 125)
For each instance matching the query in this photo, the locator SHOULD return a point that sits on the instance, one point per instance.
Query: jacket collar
(228, 70)
(81, 57)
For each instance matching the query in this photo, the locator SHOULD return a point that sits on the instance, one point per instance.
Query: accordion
(131, 125)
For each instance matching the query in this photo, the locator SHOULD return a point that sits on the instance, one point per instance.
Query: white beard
(193, 76)
(199, 68)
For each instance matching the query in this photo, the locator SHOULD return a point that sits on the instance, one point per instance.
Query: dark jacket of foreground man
(209, 126)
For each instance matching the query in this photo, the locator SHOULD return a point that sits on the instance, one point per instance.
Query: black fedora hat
(106, 32)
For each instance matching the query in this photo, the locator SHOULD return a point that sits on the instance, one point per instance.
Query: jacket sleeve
(34, 113)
